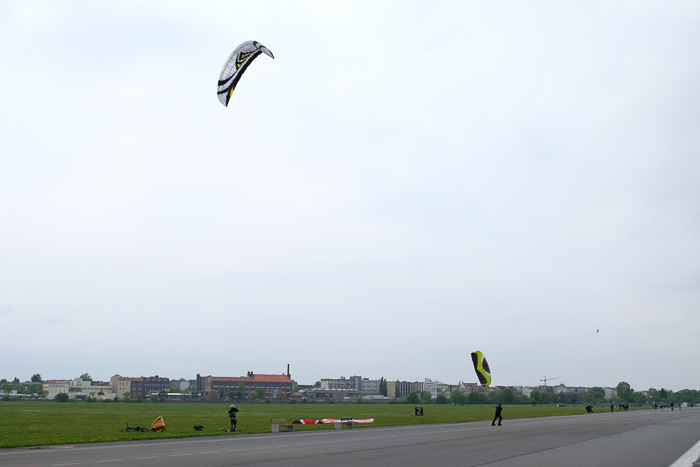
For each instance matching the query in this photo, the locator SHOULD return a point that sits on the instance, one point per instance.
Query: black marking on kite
(242, 57)
(484, 365)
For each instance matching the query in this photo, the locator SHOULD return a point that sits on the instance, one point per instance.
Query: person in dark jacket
(232, 415)
(498, 416)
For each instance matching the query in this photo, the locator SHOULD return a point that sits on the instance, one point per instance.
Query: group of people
(624, 407)
(656, 406)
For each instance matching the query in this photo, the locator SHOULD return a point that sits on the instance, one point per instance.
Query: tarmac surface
(645, 438)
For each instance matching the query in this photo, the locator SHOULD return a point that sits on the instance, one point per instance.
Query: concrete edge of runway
(690, 457)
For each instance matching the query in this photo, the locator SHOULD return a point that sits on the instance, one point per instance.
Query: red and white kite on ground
(346, 420)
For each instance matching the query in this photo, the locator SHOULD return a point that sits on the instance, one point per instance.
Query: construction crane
(547, 379)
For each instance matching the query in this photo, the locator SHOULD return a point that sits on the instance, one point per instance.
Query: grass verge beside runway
(51, 423)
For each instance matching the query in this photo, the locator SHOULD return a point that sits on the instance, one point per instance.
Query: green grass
(50, 423)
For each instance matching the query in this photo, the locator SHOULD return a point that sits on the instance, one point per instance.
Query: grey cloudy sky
(405, 182)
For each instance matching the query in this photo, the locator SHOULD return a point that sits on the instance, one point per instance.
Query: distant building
(272, 384)
(391, 389)
(404, 388)
(369, 386)
(468, 388)
(121, 384)
(435, 388)
(609, 393)
(357, 383)
(77, 389)
(183, 383)
(444, 389)
(567, 389)
(417, 387)
(334, 394)
(53, 387)
(303, 386)
(154, 385)
(143, 386)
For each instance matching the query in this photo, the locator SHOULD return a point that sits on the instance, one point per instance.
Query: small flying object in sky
(235, 66)
(597, 331)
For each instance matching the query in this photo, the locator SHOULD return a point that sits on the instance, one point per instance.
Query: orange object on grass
(158, 424)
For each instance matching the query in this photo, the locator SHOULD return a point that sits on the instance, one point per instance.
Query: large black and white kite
(236, 64)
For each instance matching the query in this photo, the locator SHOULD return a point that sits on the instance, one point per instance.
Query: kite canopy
(481, 366)
(236, 64)
(158, 424)
(346, 420)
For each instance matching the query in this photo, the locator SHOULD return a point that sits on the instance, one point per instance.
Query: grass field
(50, 423)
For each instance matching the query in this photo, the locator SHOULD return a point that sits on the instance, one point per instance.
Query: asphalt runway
(645, 438)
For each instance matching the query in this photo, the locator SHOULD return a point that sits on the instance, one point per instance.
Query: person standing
(612, 407)
(498, 416)
(232, 416)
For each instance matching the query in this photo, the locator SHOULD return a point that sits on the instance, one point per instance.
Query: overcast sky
(405, 183)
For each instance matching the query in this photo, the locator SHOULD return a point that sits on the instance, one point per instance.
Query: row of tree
(623, 394)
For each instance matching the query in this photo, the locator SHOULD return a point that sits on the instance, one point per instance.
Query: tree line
(594, 395)
(623, 394)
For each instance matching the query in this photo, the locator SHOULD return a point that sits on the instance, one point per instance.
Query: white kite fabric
(346, 420)
(236, 64)
(333, 420)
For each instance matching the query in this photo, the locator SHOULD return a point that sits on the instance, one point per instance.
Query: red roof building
(273, 385)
